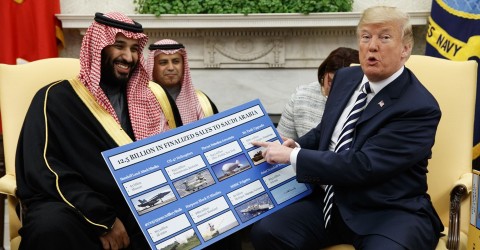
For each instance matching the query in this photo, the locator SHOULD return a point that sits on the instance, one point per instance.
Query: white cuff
(293, 157)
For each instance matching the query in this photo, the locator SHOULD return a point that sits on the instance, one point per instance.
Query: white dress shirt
(374, 86)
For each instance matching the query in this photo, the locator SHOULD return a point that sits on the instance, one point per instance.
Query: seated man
(69, 198)
(168, 66)
(367, 159)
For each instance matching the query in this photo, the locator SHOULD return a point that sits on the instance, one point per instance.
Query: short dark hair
(337, 59)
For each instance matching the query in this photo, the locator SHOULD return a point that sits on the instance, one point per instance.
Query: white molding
(209, 21)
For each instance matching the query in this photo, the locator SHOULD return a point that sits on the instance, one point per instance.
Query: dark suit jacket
(380, 183)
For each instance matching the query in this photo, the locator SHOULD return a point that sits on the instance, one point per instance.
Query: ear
(406, 50)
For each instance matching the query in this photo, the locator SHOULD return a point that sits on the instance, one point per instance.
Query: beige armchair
(18, 84)
(450, 170)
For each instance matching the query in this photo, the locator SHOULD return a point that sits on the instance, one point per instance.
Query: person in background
(167, 65)
(304, 110)
(69, 199)
(367, 159)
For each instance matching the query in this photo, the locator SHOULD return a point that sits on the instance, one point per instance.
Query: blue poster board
(194, 185)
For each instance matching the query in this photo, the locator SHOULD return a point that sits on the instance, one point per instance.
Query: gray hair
(383, 14)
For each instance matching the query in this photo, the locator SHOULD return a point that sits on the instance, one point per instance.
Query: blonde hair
(383, 14)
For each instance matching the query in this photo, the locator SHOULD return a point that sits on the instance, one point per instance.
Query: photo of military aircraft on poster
(153, 199)
(194, 183)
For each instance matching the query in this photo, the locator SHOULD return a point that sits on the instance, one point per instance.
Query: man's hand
(117, 238)
(274, 152)
(289, 142)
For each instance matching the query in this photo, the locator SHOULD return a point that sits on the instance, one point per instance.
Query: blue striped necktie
(344, 142)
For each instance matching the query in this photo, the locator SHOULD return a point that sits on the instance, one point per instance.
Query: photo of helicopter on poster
(194, 183)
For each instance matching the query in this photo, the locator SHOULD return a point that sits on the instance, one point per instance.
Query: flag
(30, 30)
(454, 33)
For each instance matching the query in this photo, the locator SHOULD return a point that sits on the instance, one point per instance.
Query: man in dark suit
(370, 183)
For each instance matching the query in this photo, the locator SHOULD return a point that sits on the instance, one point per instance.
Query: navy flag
(454, 33)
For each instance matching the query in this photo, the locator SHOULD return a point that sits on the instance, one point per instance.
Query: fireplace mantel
(215, 21)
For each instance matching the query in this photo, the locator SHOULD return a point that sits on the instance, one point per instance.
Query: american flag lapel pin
(381, 103)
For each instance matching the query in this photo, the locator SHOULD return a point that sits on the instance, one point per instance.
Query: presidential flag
(30, 30)
(454, 33)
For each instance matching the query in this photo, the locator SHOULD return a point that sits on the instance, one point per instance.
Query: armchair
(453, 84)
(18, 84)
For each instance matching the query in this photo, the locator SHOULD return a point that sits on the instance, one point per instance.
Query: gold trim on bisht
(108, 122)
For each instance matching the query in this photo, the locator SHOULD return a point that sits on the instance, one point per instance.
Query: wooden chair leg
(2, 220)
(2, 196)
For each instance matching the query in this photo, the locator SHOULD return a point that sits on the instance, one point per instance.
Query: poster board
(194, 185)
